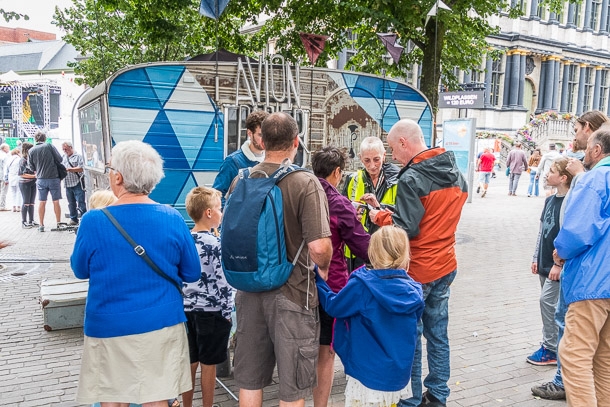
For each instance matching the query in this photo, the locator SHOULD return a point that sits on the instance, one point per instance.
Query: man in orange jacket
(430, 195)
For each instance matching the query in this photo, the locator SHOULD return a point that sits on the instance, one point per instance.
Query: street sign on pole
(473, 99)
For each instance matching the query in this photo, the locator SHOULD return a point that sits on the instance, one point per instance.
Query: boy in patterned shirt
(208, 302)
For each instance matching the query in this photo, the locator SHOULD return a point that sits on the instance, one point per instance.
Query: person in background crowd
(27, 185)
(542, 263)
(544, 166)
(251, 153)
(4, 150)
(43, 159)
(135, 348)
(584, 243)
(11, 174)
(430, 195)
(517, 163)
(485, 165)
(74, 182)
(345, 228)
(584, 126)
(377, 316)
(533, 167)
(377, 180)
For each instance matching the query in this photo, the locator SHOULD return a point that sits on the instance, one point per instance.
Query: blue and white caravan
(194, 114)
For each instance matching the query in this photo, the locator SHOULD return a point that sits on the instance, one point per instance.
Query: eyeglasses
(107, 169)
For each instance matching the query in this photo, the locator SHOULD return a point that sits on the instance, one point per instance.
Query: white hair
(67, 143)
(372, 143)
(140, 165)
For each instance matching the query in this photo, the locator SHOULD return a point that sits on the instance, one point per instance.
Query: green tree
(112, 34)
(12, 15)
(451, 39)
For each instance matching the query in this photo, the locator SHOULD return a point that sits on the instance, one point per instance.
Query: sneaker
(428, 400)
(34, 224)
(26, 225)
(549, 391)
(478, 189)
(484, 193)
(41, 228)
(72, 223)
(542, 357)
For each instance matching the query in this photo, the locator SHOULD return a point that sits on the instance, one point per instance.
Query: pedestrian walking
(135, 348)
(376, 328)
(533, 163)
(516, 163)
(485, 164)
(542, 263)
(584, 243)
(27, 186)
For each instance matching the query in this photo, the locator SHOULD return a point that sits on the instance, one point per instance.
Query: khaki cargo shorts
(270, 329)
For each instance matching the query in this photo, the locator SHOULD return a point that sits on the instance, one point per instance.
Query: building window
(572, 82)
(606, 24)
(604, 87)
(496, 77)
(595, 7)
(589, 85)
(523, 6)
(540, 11)
(577, 14)
(350, 50)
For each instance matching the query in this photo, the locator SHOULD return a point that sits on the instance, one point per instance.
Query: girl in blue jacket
(376, 313)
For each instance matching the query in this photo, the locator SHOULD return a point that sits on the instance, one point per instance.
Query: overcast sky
(40, 13)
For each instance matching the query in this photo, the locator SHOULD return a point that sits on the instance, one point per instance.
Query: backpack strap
(140, 251)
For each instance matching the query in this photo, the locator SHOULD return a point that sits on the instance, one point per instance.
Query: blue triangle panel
(211, 154)
(350, 80)
(191, 129)
(169, 188)
(164, 80)
(161, 136)
(190, 184)
(425, 122)
(390, 117)
(403, 92)
(133, 89)
(367, 86)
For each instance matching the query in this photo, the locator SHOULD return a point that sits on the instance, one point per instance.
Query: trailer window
(92, 136)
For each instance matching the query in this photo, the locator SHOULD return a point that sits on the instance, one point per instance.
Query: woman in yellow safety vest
(378, 178)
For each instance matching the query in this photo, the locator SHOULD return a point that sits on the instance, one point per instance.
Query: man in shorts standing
(282, 325)
(485, 164)
(43, 159)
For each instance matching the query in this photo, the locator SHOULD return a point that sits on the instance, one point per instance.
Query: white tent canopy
(9, 76)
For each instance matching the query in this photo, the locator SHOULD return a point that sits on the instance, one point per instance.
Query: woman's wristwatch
(558, 265)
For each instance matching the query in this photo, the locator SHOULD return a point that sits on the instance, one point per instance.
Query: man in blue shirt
(584, 241)
(250, 154)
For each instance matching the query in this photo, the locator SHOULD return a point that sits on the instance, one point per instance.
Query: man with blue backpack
(250, 154)
(275, 232)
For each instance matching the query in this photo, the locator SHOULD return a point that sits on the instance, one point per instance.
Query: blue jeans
(533, 181)
(434, 327)
(560, 318)
(76, 195)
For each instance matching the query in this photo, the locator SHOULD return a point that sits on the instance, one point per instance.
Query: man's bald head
(406, 140)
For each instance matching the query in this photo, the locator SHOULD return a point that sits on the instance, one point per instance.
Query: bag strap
(140, 251)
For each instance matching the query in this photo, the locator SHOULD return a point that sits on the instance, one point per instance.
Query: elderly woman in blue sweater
(135, 348)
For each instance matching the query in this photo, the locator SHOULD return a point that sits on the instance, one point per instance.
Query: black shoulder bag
(141, 252)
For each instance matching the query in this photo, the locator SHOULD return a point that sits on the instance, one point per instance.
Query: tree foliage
(112, 34)
(12, 15)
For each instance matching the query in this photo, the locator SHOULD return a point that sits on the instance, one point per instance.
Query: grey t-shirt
(43, 159)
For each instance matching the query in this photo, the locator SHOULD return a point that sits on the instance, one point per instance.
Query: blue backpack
(252, 239)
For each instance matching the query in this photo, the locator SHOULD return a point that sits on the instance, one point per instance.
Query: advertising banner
(459, 136)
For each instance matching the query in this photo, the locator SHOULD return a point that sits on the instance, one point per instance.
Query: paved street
(494, 313)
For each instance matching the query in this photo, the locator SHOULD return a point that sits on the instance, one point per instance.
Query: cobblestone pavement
(494, 313)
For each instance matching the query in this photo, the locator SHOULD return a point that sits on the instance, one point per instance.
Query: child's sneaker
(542, 357)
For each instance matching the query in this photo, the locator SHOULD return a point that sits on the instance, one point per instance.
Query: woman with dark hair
(27, 186)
